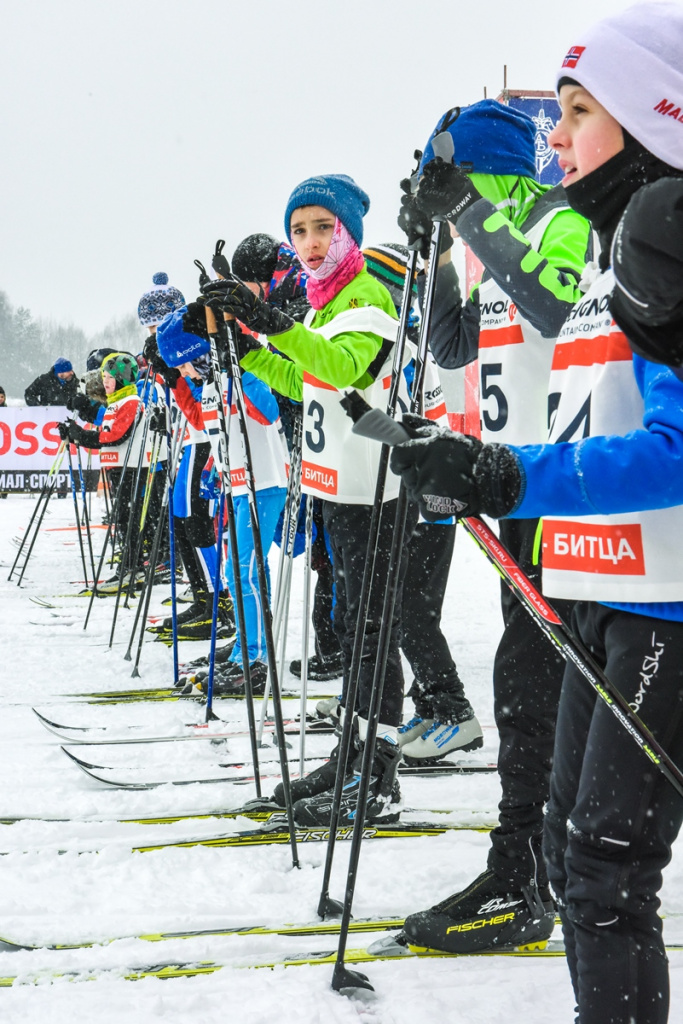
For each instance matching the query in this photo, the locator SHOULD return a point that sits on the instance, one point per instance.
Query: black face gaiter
(602, 195)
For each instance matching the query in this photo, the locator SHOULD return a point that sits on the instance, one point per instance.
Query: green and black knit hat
(388, 262)
(122, 367)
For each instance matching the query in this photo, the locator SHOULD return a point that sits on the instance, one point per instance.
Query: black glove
(415, 223)
(150, 351)
(445, 191)
(157, 420)
(80, 404)
(451, 474)
(169, 374)
(647, 260)
(243, 342)
(70, 431)
(231, 296)
(194, 321)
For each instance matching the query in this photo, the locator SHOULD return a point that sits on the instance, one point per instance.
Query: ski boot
(384, 795)
(195, 609)
(320, 780)
(489, 913)
(319, 669)
(330, 708)
(413, 729)
(438, 739)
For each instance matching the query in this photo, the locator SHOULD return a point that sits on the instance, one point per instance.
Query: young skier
(346, 342)
(610, 489)
(533, 248)
(193, 526)
(122, 421)
(269, 465)
(271, 269)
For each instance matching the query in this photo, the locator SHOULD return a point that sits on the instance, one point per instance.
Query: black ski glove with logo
(445, 191)
(451, 474)
(231, 296)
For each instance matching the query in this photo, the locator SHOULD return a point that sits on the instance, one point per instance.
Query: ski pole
(210, 716)
(171, 526)
(326, 905)
(305, 630)
(284, 580)
(146, 592)
(86, 512)
(44, 496)
(72, 480)
(114, 517)
(227, 331)
(133, 507)
(223, 462)
(342, 977)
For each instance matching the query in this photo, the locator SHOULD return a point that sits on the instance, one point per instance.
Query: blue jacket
(604, 475)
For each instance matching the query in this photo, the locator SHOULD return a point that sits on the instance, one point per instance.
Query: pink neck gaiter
(343, 262)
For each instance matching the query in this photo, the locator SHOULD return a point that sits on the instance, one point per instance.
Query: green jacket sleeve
(544, 283)
(341, 361)
(280, 374)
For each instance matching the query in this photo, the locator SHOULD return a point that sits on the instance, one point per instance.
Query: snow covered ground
(50, 893)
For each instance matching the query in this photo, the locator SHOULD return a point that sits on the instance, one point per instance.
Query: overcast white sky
(133, 133)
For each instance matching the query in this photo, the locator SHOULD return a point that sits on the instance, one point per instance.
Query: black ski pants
(437, 691)
(612, 817)
(527, 679)
(348, 527)
(326, 642)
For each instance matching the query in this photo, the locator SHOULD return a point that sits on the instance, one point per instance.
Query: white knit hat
(633, 64)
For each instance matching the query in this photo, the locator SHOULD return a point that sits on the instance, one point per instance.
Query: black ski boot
(196, 608)
(319, 669)
(489, 913)
(199, 627)
(383, 798)
(321, 779)
(229, 680)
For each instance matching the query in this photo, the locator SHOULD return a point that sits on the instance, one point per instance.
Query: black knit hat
(255, 257)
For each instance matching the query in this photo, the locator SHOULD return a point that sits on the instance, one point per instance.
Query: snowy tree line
(30, 346)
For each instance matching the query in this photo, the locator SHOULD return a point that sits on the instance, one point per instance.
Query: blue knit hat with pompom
(162, 299)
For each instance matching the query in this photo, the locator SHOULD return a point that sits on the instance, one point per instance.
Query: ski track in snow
(47, 896)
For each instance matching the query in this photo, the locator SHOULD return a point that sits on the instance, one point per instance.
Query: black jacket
(48, 389)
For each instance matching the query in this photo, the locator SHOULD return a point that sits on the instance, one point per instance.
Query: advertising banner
(543, 108)
(29, 442)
